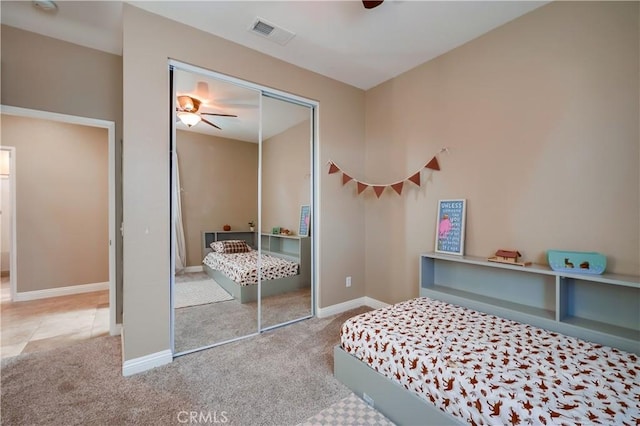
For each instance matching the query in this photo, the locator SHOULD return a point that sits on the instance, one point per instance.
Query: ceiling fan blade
(210, 123)
(219, 115)
(371, 4)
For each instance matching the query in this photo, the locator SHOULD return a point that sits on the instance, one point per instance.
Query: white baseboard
(60, 291)
(374, 303)
(115, 329)
(147, 362)
(194, 269)
(350, 304)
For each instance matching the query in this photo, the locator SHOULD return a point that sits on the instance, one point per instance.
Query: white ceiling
(339, 39)
(227, 98)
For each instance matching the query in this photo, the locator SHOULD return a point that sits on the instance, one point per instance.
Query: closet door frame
(314, 187)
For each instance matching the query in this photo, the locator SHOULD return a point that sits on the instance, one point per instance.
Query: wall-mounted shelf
(209, 237)
(600, 308)
(291, 247)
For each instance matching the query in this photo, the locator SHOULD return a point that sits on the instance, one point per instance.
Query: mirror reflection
(225, 134)
(286, 196)
(217, 131)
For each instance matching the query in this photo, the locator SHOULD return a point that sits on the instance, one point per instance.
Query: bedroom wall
(47, 74)
(148, 41)
(62, 204)
(286, 177)
(219, 180)
(542, 118)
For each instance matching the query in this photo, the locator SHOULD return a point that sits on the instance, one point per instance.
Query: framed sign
(450, 226)
(305, 221)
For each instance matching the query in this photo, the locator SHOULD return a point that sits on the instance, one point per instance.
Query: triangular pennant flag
(345, 178)
(433, 164)
(415, 178)
(378, 190)
(398, 187)
(362, 187)
(333, 168)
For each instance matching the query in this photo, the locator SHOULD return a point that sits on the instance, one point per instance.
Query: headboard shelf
(209, 237)
(599, 308)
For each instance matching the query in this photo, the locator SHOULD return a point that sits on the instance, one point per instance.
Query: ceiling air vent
(270, 31)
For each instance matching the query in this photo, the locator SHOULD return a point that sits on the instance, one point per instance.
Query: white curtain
(181, 260)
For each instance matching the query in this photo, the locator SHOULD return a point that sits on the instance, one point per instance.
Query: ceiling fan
(188, 112)
(371, 4)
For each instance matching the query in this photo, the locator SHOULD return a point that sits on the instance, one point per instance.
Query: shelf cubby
(600, 308)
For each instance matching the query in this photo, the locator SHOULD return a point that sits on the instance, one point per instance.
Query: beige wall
(46, 74)
(542, 118)
(286, 177)
(148, 41)
(219, 180)
(62, 203)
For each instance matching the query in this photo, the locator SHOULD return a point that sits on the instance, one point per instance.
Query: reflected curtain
(180, 262)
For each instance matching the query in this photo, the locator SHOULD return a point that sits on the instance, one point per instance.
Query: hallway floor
(43, 324)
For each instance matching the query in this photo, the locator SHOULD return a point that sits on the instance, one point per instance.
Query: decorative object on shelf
(252, 226)
(226, 228)
(508, 256)
(450, 226)
(578, 262)
(378, 189)
(305, 221)
(275, 230)
(285, 231)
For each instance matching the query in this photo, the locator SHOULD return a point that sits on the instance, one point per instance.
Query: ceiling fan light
(189, 119)
(189, 104)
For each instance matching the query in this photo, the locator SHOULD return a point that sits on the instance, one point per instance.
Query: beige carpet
(281, 377)
(201, 292)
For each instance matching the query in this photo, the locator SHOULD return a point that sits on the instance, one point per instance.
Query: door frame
(110, 126)
(12, 211)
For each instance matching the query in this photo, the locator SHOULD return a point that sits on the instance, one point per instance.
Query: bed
(425, 361)
(237, 272)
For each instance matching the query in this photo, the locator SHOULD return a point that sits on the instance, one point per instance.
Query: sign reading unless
(305, 219)
(450, 227)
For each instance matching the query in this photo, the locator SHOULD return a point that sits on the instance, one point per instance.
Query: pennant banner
(398, 187)
(378, 189)
(361, 187)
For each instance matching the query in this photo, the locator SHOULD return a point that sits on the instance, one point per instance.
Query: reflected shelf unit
(600, 308)
(291, 247)
(209, 237)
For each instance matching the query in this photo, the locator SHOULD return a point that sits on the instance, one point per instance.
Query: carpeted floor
(282, 377)
(202, 325)
(199, 292)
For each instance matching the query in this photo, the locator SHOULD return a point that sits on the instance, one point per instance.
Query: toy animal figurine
(567, 263)
(584, 265)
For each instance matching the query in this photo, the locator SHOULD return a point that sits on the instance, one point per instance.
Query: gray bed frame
(398, 404)
(248, 293)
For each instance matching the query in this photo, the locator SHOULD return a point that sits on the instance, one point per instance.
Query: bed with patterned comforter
(483, 369)
(243, 267)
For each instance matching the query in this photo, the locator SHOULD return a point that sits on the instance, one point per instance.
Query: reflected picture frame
(450, 226)
(305, 221)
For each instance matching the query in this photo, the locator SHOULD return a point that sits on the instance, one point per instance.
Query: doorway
(18, 293)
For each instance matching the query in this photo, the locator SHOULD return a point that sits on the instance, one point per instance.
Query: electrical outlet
(348, 282)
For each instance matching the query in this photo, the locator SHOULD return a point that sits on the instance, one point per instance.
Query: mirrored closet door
(286, 185)
(217, 150)
(241, 167)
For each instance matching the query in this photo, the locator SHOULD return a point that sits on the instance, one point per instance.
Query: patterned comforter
(483, 369)
(243, 267)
